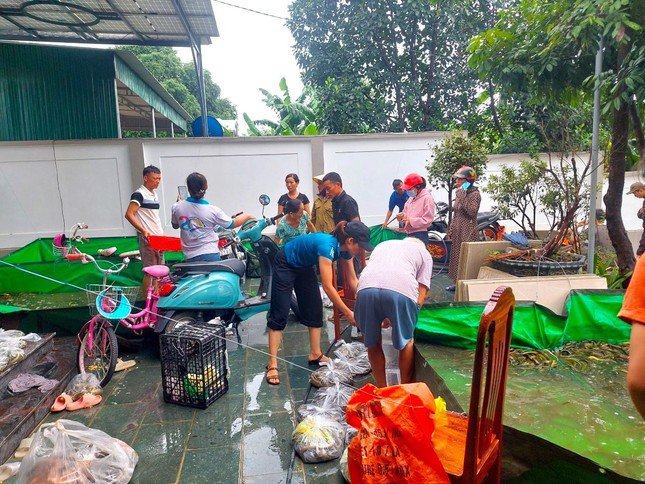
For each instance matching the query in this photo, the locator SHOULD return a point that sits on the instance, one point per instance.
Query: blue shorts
(374, 304)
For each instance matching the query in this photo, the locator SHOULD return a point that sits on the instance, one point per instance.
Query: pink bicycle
(111, 305)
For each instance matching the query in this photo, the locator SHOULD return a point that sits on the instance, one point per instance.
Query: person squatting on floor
(393, 287)
(293, 269)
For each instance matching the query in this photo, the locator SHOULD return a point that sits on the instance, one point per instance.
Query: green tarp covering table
(591, 315)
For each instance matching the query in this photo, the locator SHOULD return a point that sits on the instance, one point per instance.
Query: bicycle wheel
(99, 357)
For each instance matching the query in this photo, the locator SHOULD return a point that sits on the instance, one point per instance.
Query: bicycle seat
(156, 271)
(487, 216)
(234, 266)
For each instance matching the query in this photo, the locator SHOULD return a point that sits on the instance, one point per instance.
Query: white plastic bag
(69, 452)
(350, 350)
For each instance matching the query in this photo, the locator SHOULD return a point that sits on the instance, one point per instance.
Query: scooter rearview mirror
(264, 200)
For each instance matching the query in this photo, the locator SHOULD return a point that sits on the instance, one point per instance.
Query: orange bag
(393, 445)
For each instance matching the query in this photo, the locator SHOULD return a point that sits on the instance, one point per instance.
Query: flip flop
(272, 380)
(23, 448)
(87, 400)
(124, 365)
(317, 361)
(61, 402)
(9, 470)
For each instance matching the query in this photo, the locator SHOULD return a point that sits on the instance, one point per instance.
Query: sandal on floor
(61, 402)
(272, 380)
(87, 400)
(317, 361)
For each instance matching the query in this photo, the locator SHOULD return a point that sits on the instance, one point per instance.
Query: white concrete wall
(46, 187)
(238, 172)
(368, 166)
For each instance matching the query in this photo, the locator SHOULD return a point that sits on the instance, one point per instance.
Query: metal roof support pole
(154, 124)
(199, 71)
(172, 129)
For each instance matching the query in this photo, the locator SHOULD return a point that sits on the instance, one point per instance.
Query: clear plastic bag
(344, 466)
(358, 365)
(12, 344)
(318, 439)
(335, 397)
(330, 373)
(83, 383)
(69, 452)
(309, 409)
(348, 351)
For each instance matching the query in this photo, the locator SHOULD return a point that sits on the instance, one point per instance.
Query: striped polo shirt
(148, 212)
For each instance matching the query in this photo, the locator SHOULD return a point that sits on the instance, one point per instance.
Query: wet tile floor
(244, 437)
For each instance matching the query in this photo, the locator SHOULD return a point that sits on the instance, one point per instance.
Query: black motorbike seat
(234, 266)
(486, 216)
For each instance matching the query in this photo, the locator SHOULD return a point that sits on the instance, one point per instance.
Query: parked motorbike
(488, 227)
(487, 224)
(206, 290)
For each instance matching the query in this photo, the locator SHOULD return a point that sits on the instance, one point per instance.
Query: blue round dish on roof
(214, 127)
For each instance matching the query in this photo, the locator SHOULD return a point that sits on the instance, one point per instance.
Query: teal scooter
(207, 290)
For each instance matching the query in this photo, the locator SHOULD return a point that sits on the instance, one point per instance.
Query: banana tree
(295, 117)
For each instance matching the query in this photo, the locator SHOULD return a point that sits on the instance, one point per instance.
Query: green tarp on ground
(38, 257)
(378, 234)
(591, 316)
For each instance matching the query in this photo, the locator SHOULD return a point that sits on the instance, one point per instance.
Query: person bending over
(294, 223)
(293, 269)
(391, 290)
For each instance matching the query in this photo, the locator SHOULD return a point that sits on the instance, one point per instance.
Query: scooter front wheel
(180, 319)
(100, 357)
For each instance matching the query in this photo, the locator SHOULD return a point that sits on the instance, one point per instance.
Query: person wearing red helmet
(463, 227)
(418, 212)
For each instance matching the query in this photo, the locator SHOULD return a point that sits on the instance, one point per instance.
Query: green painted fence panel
(56, 93)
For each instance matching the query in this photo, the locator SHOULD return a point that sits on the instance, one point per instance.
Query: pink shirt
(419, 211)
(398, 265)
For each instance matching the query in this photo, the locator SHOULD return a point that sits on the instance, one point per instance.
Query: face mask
(465, 186)
(411, 193)
(345, 255)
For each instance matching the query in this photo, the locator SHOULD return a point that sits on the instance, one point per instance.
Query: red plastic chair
(472, 445)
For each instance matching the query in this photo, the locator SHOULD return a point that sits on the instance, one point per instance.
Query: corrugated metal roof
(134, 22)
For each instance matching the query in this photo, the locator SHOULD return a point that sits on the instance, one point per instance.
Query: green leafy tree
(382, 66)
(518, 191)
(295, 117)
(547, 50)
(449, 156)
(180, 80)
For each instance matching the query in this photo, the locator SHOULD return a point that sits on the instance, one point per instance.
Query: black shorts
(303, 280)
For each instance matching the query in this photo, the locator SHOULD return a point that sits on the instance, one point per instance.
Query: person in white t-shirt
(391, 290)
(143, 214)
(199, 222)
